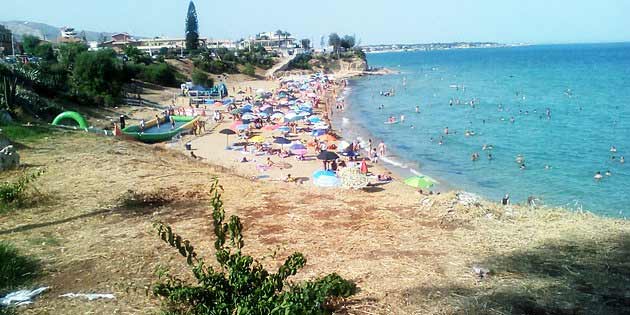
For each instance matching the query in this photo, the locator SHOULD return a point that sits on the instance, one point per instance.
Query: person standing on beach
(369, 146)
(506, 200)
(381, 148)
(122, 121)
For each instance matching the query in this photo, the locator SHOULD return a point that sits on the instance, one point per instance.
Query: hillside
(45, 31)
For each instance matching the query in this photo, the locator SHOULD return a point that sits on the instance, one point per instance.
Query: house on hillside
(122, 37)
(69, 35)
(283, 44)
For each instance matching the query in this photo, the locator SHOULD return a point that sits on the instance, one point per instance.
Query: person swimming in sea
(598, 176)
(523, 167)
(608, 173)
(613, 149)
(402, 119)
(622, 160)
(446, 130)
(417, 109)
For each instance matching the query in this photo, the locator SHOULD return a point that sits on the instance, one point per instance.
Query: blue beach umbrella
(242, 127)
(314, 119)
(284, 129)
(297, 146)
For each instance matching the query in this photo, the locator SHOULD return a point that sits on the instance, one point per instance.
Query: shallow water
(164, 127)
(586, 88)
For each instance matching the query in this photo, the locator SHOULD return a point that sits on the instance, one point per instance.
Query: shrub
(159, 73)
(241, 285)
(201, 78)
(249, 70)
(15, 269)
(14, 193)
(301, 62)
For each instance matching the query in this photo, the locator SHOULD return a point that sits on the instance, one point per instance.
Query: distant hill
(48, 32)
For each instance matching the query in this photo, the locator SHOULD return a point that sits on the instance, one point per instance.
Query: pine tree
(192, 28)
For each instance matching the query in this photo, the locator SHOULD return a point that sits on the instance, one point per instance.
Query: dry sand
(409, 254)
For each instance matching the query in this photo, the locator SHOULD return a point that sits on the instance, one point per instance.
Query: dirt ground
(408, 254)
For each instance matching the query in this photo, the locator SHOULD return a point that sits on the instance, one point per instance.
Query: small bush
(301, 61)
(159, 73)
(249, 70)
(241, 285)
(15, 269)
(201, 78)
(13, 194)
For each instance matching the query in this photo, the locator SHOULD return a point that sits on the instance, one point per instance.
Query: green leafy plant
(14, 193)
(15, 269)
(241, 285)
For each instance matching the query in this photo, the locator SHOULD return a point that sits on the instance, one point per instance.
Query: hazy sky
(382, 21)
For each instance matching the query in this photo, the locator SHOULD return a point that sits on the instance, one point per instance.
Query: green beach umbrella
(420, 181)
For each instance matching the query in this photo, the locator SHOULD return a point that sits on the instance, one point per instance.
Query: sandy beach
(227, 151)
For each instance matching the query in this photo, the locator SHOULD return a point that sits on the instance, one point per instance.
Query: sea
(542, 120)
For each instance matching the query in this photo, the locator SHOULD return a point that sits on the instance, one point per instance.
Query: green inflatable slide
(63, 118)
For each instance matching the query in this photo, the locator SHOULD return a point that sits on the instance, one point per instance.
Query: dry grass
(407, 257)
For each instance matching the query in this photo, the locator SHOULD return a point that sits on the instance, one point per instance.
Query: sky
(372, 21)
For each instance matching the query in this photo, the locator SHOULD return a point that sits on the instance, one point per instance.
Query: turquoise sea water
(585, 87)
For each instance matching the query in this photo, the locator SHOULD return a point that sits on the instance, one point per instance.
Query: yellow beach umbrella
(257, 139)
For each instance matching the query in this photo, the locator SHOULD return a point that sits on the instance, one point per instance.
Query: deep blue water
(585, 87)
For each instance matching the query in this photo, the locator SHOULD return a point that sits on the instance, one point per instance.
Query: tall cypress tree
(192, 28)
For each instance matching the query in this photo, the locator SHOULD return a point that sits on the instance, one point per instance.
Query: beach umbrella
(242, 127)
(282, 141)
(277, 116)
(270, 127)
(297, 146)
(324, 180)
(236, 111)
(258, 139)
(420, 181)
(298, 149)
(284, 129)
(327, 155)
(227, 133)
(235, 124)
(318, 174)
(263, 114)
(248, 116)
(318, 132)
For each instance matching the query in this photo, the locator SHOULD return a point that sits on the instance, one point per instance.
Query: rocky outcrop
(9, 158)
(353, 65)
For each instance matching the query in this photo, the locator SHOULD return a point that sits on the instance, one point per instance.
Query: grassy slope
(407, 257)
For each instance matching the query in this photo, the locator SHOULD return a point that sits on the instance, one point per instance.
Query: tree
(347, 42)
(335, 41)
(192, 28)
(159, 73)
(29, 43)
(99, 76)
(45, 51)
(136, 55)
(279, 33)
(201, 78)
(286, 37)
(68, 53)
(306, 43)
